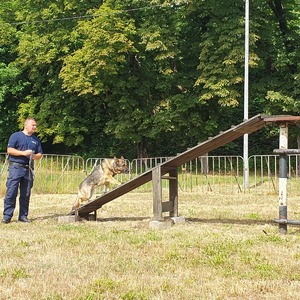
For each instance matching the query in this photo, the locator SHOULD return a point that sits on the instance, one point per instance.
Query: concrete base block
(154, 224)
(178, 220)
(66, 219)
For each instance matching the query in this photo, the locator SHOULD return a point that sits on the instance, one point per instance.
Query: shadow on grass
(230, 221)
(148, 218)
(125, 219)
(293, 229)
(194, 220)
(49, 216)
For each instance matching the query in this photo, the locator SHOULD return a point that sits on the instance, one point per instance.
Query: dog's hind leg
(76, 203)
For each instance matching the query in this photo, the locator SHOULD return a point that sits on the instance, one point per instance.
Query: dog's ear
(115, 158)
(122, 157)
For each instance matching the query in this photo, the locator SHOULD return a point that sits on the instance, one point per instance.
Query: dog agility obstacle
(159, 173)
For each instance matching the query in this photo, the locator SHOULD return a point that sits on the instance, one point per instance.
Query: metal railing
(207, 174)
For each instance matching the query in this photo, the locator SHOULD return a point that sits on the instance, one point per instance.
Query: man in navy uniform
(23, 148)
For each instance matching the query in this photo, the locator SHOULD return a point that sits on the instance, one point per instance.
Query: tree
(11, 82)
(43, 41)
(143, 77)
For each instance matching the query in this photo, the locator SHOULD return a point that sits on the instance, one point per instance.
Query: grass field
(228, 248)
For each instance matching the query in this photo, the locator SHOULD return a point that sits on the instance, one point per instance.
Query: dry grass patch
(229, 248)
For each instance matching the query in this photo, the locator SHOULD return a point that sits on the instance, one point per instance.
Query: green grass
(228, 248)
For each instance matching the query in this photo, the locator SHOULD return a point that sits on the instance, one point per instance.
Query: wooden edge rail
(285, 221)
(286, 151)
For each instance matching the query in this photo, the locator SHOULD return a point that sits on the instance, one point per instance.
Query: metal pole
(283, 144)
(246, 95)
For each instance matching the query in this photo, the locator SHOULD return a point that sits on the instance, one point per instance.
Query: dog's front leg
(115, 181)
(108, 182)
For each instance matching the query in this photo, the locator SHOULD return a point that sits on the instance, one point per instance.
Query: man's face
(30, 126)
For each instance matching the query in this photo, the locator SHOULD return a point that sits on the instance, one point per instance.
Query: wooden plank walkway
(249, 126)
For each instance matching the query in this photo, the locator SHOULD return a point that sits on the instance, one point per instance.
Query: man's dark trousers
(18, 177)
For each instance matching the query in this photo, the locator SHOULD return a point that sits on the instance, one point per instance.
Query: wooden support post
(76, 215)
(283, 145)
(173, 192)
(157, 194)
(171, 206)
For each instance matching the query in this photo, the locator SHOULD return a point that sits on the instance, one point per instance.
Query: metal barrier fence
(207, 174)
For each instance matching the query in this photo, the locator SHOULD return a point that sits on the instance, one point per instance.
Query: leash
(31, 170)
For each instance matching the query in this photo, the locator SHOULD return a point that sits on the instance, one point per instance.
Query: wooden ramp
(249, 126)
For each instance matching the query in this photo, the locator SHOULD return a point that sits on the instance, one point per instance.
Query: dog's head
(120, 165)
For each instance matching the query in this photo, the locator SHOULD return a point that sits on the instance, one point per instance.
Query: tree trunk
(204, 164)
(141, 149)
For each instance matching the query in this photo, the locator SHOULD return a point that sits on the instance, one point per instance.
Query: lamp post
(246, 95)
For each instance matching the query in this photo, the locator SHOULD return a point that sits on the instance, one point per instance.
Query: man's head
(30, 126)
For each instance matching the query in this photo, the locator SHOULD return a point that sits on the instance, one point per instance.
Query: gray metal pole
(283, 170)
(246, 95)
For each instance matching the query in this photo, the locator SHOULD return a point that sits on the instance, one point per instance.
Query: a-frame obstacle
(168, 169)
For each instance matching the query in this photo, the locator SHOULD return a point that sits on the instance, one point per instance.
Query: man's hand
(27, 153)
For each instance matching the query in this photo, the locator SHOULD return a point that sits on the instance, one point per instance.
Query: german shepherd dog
(102, 174)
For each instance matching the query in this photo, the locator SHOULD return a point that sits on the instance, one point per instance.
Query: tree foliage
(143, 77)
